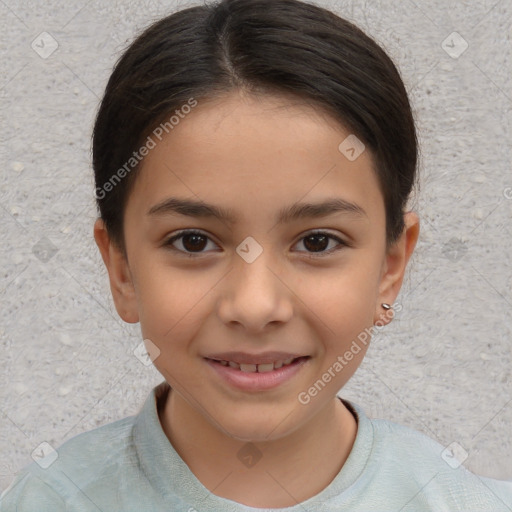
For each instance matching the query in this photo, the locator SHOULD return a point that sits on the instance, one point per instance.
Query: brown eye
(191, 242)
(317, 243)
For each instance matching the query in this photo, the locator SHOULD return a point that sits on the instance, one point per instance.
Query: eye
(316, 242)
(190, 240)
(194, 242)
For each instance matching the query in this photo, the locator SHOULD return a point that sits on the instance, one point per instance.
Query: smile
(257, 377)
(260, 368)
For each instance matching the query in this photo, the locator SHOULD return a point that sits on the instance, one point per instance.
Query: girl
(253, 161)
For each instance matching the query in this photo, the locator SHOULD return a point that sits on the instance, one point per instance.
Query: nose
(255, 295)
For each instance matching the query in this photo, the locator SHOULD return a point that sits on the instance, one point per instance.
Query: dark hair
(263, 47)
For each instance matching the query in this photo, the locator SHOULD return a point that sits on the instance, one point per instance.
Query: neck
(282, 477)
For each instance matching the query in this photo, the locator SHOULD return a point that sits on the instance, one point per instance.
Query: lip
(246, 358)
(255, 381)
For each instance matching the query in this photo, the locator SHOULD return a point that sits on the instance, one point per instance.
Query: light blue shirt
(130, 466)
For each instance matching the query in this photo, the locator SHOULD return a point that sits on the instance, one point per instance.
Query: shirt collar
(171, 477)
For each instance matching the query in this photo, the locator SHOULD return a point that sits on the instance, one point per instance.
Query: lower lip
(254, 381)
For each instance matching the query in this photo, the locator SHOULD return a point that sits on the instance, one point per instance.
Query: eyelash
(168, 243)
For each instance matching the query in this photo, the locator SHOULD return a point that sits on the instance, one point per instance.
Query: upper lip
(245, 358)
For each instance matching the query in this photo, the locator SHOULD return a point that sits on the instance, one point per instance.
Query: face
(269, 279)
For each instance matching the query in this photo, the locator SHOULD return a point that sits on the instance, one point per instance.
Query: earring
(386, 306)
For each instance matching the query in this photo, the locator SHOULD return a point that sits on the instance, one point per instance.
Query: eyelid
(184, 232)
(167, 243)
(341, 243)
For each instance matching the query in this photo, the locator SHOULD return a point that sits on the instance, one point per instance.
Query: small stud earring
(385, 306)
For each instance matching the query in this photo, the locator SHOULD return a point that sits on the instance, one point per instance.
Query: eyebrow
(200, 209)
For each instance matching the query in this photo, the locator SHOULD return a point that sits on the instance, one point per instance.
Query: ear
(121, 283)
(393, 270)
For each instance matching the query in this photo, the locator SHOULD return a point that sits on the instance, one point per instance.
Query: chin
(257, 426)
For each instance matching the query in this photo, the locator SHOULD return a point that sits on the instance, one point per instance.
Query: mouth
(259, 368)
(251, 373)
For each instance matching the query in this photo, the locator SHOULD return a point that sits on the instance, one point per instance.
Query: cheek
(175, 306)
(341, 305)
(172, 302)
(343, 298)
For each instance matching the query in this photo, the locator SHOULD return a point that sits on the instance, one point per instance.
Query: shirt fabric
(131, 466)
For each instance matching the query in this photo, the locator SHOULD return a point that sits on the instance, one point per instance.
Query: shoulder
(434, 473)
(27, 492)
(402, 441)
(79, 463)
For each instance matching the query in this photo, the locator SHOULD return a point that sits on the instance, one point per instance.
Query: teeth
(260, 368)
(248, 367)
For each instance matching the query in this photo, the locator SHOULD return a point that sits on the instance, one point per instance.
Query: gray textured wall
(443, 367)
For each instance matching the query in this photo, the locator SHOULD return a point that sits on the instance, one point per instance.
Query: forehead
(254, 154)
